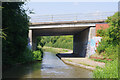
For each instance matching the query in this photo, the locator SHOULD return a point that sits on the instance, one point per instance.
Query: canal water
(50, 67)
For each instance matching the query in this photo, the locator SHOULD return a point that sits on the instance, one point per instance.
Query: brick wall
(104, 26)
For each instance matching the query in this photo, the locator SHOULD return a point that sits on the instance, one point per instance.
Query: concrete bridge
(82, 31)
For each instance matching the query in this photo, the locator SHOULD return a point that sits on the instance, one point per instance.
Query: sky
(51, 8)
(74, 0)
(56, 8)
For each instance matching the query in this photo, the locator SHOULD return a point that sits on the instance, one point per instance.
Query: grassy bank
(110, 70)
(54, 50)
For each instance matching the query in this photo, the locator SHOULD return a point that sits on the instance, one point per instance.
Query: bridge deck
(67, 22)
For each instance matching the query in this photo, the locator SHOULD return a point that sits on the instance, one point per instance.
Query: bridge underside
(81, 35)
(57, 31)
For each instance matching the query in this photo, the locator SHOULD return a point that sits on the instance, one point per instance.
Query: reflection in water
(51, 67)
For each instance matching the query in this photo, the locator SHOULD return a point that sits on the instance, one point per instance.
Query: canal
(50, 67)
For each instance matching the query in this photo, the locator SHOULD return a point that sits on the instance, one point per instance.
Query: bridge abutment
(80, 41)
(33, 39)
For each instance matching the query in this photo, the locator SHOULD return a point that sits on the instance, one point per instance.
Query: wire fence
(35, 18)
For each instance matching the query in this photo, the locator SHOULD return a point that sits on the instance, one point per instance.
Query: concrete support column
(80, 43)
(34, 41)
(92, 33)
(30, 37)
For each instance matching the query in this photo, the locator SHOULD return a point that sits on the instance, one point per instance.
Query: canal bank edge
(83, 63)
(79, 65)
(79, 62)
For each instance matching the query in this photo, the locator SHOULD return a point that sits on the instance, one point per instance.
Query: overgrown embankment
(14, 44)
(109, 48)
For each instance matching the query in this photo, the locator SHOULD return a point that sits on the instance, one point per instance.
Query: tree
(15, 22)
(2, 34)
(114, 30)
(41, 41)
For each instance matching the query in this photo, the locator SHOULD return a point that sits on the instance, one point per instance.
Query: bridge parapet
(67, 22)
(36, 18)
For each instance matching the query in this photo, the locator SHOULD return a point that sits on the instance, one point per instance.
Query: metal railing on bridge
(70, 17)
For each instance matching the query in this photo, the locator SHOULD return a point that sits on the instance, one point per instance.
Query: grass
(110, 70)
(86, 64)
(54, 50)
(99, 60)
(69, 60)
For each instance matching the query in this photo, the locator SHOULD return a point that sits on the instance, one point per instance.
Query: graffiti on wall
(92, 45)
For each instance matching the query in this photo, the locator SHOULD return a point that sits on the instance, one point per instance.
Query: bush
(110, 37)
(37, 55)
(112, 52)
(27, 56)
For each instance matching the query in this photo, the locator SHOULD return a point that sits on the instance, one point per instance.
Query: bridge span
(82, 32)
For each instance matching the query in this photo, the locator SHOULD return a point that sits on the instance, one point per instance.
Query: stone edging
(79, 65)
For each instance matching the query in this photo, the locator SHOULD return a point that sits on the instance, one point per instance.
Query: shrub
(110, 37)
(112, 51)
(37, 55)
(27, 56)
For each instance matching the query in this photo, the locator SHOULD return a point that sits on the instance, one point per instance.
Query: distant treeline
(58, 41)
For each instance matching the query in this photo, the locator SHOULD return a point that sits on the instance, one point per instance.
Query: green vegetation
(2, 34)
(15, 26)
(58, 41)
(99, 60)
(108, 47)
(110, 71)
(15, 22)
(54, 50)
(86, 64)
(69, 60)
(37, 55)
(110, 38)
(40, 42)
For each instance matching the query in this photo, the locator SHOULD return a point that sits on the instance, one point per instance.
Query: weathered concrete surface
(80, 41)
(30, 36)
(83, 62)
(79, 65)
(82, 31)
(92, 33)
(34, 41)
(68, 22)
